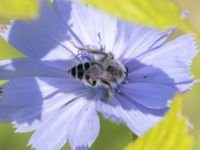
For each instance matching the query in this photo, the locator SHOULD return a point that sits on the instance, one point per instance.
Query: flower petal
(183, 47)
(24, 67)
(40, 107)
(84, 124)
(174, 58)
(150, 95)
(76, 120)
(134, 40)
(138, 118)
(38, 112)
(28, 91)
(41, 112)
(41, 38)
(149, 73)
(87, 22)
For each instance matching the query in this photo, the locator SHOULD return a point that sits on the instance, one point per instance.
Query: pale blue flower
(43, 98)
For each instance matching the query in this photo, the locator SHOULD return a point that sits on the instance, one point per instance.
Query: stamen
(83, 56)
(102, 47)
(80, 53)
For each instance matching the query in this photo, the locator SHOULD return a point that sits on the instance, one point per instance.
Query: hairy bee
(104, 71)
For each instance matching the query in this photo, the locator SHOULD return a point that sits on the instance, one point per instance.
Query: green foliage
(157, 13)
(18, 8)
(18, 140)
(170, 134)
(7, 51)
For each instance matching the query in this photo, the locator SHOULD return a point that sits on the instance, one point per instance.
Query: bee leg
(93, 83)
(111, 90)
(111, 93)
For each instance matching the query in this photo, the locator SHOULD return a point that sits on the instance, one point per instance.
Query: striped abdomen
(78, 71)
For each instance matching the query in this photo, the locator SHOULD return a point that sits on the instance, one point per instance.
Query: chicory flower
(41, 96)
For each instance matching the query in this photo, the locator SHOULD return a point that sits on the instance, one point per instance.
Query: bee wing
(96, 72)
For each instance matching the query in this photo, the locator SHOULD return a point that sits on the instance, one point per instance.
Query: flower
(42, 97)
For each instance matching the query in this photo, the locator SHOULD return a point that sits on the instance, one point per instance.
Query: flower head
(41, 96)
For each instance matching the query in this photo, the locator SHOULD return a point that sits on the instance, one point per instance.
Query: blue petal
(148, 74)
(138, 118)
(84, 127)
(183, 47)
(5, 113)
(38, 113)
(87, 22)
(150, 95)
(24, 67)
(41, 38)
(26, 92)
(168, 62)
(134, 40)
(174, 59)
(76, 123)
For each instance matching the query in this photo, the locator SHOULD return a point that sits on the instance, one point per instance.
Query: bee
(104, 71)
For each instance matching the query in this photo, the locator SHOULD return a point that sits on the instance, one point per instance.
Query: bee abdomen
(79, 70)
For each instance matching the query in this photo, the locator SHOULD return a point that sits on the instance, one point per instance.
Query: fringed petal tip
(189, 86)
(184, 14)
(194, 45)
(194, 51)
(113, 118)
(81, 147)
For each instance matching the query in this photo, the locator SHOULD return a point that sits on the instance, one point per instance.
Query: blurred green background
(112, 136)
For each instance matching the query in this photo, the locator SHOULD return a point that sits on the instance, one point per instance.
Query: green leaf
(18, 8)
(170, 134)
(7, 51)
(158, 13)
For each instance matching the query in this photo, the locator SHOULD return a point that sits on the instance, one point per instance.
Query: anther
(102, 47)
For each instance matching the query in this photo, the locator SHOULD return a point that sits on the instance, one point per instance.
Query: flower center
(99, 69)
